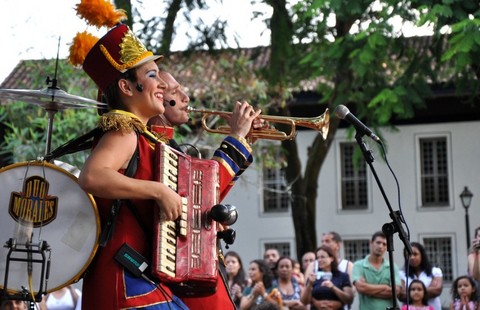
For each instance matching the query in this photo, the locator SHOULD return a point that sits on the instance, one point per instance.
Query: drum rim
(80, 274)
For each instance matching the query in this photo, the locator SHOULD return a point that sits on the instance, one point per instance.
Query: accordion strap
(107, 231)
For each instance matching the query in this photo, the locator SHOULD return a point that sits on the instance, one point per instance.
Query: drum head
(46, 219)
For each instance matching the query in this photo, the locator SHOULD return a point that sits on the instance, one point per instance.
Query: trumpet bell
(319, 123)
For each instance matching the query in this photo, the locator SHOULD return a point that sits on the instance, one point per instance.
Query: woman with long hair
(261, 288)
(235, 276)
(327, 288)
(419, 267)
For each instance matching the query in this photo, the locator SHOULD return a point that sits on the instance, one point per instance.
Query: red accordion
(185, 250)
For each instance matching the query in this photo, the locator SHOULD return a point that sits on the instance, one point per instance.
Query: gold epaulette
(127, 122)
(121, 120)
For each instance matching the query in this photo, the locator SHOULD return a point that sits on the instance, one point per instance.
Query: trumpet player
(234, 156)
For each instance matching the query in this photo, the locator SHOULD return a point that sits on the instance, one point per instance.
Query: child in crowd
(464, 294)
(417, 297)
(298, 274)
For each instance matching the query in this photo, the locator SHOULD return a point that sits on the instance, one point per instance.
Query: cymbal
(53, 99)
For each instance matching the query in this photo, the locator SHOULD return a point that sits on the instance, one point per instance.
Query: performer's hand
(260, 123)
(242, 119)
(222, 227)
(170, 203)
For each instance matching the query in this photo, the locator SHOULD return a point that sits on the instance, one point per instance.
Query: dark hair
(335, 236)
(266, 271)
(476, 231)
(271, 248)
(334, 264)
(473, 296)
(265, 305)
(240, 278)
(284, 258)
(425, 264)
(378, 234)
(425, 298)
(112, 93)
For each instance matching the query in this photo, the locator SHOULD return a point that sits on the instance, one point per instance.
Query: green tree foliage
(359, 59)
(26, 124)
(353, 51)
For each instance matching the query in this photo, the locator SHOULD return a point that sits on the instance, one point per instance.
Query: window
(356, 249)
(434, 171)
(282, 247)
(354, 179)
(439, 251)
(276, 197)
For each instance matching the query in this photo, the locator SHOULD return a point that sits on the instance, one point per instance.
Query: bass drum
(43, 207)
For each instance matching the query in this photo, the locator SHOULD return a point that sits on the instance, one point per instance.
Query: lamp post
(466, 198)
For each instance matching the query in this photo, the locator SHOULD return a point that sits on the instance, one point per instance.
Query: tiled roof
(192, 69)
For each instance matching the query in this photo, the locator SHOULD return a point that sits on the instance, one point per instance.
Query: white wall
(254, 227)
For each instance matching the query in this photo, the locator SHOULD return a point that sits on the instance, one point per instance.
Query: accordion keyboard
(186, 248)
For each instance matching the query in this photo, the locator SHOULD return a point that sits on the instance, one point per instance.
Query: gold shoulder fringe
(122, 122)
(160, 137)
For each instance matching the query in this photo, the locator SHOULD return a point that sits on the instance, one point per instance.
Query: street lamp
(466, 198)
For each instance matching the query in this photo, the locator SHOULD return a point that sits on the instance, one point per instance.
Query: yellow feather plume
(81, 45)
(100, 13)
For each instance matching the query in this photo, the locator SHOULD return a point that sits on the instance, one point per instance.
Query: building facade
(433, 163)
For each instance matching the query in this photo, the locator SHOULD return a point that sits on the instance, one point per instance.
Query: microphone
(139, 87)
(172, 102)
(343, 112)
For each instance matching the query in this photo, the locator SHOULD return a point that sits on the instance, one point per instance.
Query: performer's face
(175, 111)
(148, 91)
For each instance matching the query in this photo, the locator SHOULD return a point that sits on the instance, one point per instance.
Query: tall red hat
(117, 51)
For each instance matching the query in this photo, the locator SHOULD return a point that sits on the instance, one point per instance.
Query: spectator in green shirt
(371, 276)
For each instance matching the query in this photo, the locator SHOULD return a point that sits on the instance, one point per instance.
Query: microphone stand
(389, 229)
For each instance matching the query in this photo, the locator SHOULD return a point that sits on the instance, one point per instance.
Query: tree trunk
(127, 6)
(168, 28)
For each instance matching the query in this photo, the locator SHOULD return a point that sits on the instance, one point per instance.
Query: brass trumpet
(319, 123)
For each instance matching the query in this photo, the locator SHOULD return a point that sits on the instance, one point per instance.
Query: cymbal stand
(33, 253)
(51, 116)
(51, 109)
